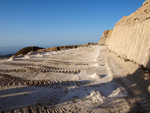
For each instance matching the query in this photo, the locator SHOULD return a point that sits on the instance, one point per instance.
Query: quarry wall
(106, 34)
(131, 36)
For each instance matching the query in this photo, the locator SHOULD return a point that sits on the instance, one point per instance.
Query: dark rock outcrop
(27, 50)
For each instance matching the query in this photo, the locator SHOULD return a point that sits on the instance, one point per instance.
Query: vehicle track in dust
(143, 98)
(52, 102)
(8, 80)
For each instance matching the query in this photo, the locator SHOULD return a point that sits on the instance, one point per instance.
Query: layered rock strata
(131, 36)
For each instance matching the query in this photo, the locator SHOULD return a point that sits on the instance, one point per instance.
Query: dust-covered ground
(82, 80)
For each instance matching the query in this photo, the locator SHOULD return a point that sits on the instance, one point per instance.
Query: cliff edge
(106, 34)
(131, 36)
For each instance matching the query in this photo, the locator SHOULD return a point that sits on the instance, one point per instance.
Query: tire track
(38, 109)
(8, 80)
(142, 97)
(43, 70)
(56, 62)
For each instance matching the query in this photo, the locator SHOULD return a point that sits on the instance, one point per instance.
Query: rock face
(106, 34)
(131, 36)
(146, 2)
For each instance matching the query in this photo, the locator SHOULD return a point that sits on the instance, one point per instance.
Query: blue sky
(59, 22)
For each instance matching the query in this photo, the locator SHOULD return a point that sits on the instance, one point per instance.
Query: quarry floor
(83, 80)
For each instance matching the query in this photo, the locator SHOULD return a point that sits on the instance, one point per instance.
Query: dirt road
(85, 80)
